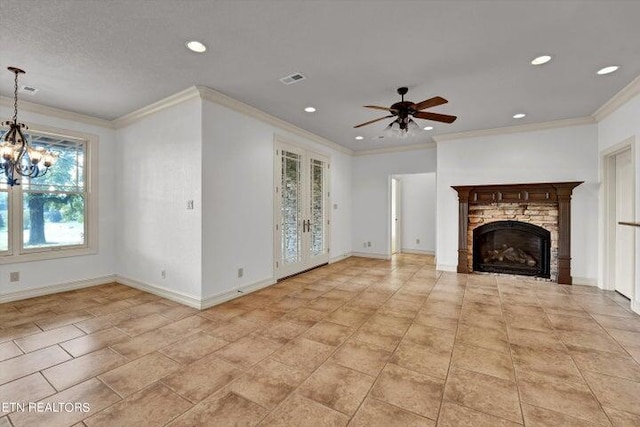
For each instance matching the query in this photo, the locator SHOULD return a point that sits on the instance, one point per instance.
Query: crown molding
(45, 110)
(157, 106)
(618, 100)
(216, 97)
(395, 149)
(530, 127)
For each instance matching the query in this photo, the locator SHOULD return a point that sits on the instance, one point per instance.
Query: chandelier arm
(18, 161)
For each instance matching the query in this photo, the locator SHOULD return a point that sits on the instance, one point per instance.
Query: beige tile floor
(360, 342)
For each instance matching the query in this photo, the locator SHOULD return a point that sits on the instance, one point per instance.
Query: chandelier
(18, 158)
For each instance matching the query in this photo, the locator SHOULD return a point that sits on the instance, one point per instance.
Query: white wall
(562, 154)
(371, 196)
(616, 128)
(237, 198)
(39, 274)
(158, 167)
(418, 211)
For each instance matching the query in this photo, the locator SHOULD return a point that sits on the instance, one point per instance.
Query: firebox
(512, 247)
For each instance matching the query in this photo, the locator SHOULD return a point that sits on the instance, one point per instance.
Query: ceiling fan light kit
(405, 111)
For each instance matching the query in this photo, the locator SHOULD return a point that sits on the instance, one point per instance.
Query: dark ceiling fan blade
(372, 121)
(432, 102)
(375, 107)
(435, 117)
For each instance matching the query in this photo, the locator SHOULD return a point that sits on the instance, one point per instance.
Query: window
(53, 215)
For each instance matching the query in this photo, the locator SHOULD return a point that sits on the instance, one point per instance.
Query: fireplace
(512, 247)
(542, 205)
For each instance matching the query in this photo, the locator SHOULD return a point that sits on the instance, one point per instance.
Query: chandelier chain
(15, 99)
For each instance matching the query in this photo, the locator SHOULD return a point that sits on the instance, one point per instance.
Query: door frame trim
(607, 158)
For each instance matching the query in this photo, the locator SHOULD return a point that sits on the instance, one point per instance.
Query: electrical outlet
(335, 206)
(369, 244)
(163, 274)
(189, 204)
(240, 272)
(14, 276)
(364, 245)
(417, 241)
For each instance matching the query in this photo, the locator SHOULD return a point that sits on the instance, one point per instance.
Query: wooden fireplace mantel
(545, 192)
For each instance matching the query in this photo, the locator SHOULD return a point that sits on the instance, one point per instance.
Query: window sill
(46, 255)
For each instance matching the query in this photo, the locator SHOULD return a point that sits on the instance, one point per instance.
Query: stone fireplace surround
(547, 205)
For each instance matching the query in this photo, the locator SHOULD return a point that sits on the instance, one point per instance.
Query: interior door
(395, 229)
(624, 239)
(301, 210)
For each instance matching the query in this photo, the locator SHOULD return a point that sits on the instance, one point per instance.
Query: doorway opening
(619, 200)
(412, 214)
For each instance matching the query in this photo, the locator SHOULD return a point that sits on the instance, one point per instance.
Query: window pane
(291, 178)
(67, 174)
(317, 208)
(51, 220)
(4, 221)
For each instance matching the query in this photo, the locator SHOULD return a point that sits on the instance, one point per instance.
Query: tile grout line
(573, 360)
(375, 381)
(513, 364)
(455, 338)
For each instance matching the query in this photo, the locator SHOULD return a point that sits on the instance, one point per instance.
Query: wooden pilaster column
(564, 231)
(463, 221)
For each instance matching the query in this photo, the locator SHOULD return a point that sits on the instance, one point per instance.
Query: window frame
(16, 251)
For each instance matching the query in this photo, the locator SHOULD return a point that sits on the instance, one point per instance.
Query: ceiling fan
(404, 110)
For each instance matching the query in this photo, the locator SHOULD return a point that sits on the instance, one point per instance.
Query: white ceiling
(108, 58)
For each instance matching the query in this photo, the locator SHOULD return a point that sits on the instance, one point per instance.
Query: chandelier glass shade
(403, 127)
(18, 158)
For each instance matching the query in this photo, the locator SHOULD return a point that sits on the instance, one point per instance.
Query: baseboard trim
(584, 281)
(339, 257)
(235, 293)
(54, 289)
(161, 291)
(417, 252)
(635, 306)
(447, 267)
(371, 255)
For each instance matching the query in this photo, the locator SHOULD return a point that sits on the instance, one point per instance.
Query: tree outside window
(53, 212)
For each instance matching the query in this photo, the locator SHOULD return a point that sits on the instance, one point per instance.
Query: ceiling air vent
(28, 90)
(293, 78)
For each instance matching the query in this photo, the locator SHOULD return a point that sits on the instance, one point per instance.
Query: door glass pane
(317, 207)
(4, 221)
(291, 204)
(53, 219)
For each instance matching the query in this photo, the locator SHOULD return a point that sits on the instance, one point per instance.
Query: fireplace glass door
(512, 247)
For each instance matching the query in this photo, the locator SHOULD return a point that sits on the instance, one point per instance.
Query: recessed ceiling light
(540, 60)
(608, 70)
(359, 138)
(519, 115)
(310, 110)
(196, 46)
(428, 127)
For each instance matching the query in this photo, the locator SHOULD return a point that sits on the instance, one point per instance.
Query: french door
(301, 210)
